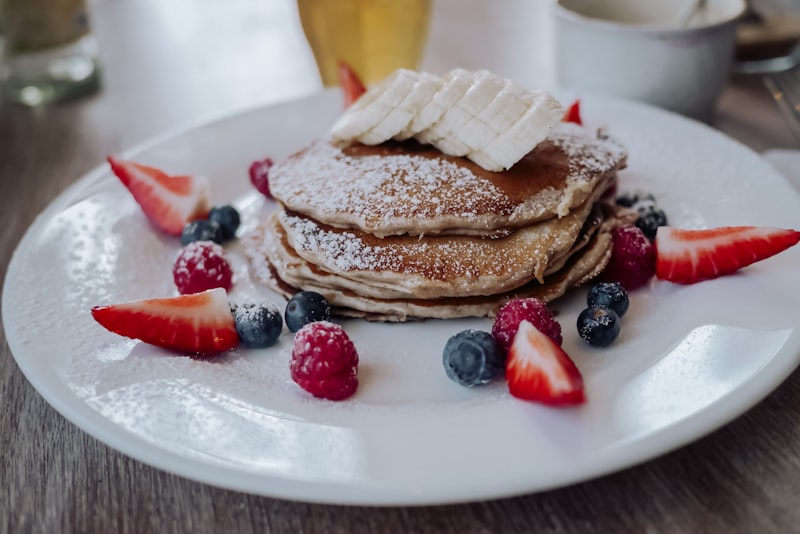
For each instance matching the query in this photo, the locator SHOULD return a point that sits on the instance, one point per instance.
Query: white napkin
(787, 162)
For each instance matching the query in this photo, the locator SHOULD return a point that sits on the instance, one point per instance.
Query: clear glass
(375, 37)
(49, 53)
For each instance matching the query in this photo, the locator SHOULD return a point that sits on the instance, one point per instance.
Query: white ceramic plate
(689, 359)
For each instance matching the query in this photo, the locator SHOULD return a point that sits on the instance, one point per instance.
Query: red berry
(633, 258)
(259, 175)
(202, 265)
(529, 309)
(324, 361)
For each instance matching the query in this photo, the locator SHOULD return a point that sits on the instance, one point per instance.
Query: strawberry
(688, 256)
(573, 113)
(200, 323)
(352, 86)
(168, 201)
(537, 369)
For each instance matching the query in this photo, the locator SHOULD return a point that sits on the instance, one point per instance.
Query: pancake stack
(399, 230)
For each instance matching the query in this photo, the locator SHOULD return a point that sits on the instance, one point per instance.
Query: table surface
(169, 64)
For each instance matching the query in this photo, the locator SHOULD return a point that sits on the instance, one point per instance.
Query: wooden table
(168, 64)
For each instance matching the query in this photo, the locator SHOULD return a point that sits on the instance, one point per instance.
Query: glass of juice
(375, 37)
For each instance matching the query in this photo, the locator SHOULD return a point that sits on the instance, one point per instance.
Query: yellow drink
(375, 37)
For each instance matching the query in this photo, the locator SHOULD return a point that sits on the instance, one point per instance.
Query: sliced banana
(543, 112)
(479, 115)
(401, 116)
(374, 105)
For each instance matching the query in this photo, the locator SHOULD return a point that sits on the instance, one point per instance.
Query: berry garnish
(530, 309)
(258, 325)
(352, 86)
(573, 113)
(306, 307)
(539, 370)
(324, 361)
(633, 258)
(688, 256)
(169, 202)
(472, 357)
(609, 294)
(259, 176)
(200, 266)
(201, 323)
(598, 326)
(228, 219)
(201, 230)
(632, 198)
(649, 219)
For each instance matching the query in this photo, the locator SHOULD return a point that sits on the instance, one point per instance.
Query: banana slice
(375, 105)
(542, 114)
(400, 117)
(508, 105)
(454, 85)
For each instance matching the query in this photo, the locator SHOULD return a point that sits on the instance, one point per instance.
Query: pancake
(398, 188)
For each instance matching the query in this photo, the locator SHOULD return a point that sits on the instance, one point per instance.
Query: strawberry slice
(537, 369)
(168, 201)
(352, 86)
(200, 323)
(688, 256)
(573, 113)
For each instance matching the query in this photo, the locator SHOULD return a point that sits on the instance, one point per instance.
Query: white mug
(661, 52)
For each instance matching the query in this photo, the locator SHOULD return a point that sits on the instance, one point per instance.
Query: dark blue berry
(649, 219)
(258, 325)
(228, 220)
(630, 199)
(598, 326)
(201, 230)
(472, 357)
(306, 307)
(611, 295)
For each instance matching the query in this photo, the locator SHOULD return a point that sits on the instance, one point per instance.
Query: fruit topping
(573, 113)
(472, 357)
(169, 202)
(352, 86)
(598, 326)
(477, 115)
(609, 294)
(649, 219)
(539, 370)
(528, 309)
(201, 230)
(324, 361)
(228, 219)
(306, 307)
(200, 323)
(200, 266)
(633, 258)
(259, 175)
(630, 199)
(259, 325)
(688, 256)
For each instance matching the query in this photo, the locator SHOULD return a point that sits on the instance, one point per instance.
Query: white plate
(689, 359)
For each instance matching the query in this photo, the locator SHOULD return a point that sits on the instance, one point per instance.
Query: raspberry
(259, 175)
(202, 265)
(324, 361)
(633, 258)
(516, 310)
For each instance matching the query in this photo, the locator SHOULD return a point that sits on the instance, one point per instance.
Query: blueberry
(258, 325)
(306, 307)
(649, 219)
(598, 326)
(472, 357)
(611, 295)
(630, 199)
(201, 230)
(228, 219)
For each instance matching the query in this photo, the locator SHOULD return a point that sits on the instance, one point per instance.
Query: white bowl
(655, 51)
